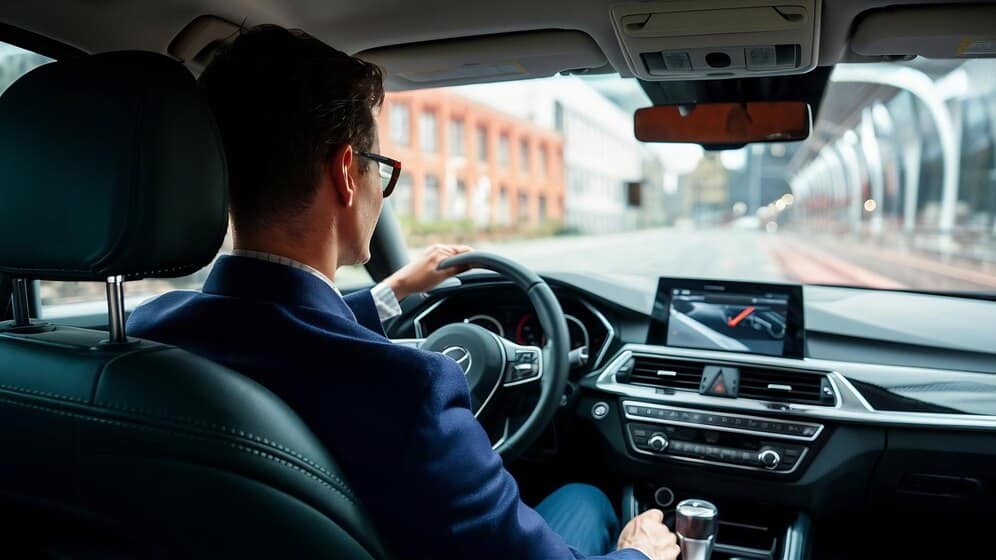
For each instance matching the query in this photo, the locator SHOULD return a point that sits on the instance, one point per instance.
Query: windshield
(895, 188)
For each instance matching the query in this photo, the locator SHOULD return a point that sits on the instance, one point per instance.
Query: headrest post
(19, 299)
(115, 308)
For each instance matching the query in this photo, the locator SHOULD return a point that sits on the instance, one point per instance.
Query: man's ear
(337, 169)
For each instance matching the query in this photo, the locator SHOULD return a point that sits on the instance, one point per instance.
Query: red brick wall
(448, 106)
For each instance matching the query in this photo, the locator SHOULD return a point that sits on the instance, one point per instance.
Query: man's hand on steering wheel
(493, 364)
(423, 274)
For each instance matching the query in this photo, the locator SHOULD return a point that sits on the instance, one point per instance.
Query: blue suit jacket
(397, 420)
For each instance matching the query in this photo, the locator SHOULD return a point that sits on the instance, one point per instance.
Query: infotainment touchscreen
(732, 316)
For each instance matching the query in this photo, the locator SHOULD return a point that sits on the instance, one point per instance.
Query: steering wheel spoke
(523, 364)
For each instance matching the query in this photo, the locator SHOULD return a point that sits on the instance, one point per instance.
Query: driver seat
(111, 168)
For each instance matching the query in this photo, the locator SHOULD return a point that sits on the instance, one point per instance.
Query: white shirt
(383, 296)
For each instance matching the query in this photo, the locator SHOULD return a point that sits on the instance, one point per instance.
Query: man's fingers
(669, 538)
(443, 252)
(654, 515)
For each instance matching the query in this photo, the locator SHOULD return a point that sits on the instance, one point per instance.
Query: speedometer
(488, 322)
(529, 333)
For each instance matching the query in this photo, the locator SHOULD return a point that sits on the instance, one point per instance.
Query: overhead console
(687, 39)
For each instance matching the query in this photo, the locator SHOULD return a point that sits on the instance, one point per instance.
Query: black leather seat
(110, 165)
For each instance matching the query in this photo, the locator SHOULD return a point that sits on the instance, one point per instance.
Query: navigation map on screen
(724, 320)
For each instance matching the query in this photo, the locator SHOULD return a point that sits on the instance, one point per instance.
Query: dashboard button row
(664, 441)
(723, 420)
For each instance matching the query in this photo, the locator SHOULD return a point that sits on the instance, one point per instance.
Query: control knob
(658, 442)
(769, 458)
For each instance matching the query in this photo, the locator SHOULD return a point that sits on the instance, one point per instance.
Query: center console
(724, 439)
(740, 530)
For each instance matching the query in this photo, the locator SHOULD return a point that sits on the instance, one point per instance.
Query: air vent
(785, 385)
(666, 372)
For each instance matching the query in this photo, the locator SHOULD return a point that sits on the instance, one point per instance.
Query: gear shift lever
(695, 522)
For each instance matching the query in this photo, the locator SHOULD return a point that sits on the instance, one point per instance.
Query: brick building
(462, 160)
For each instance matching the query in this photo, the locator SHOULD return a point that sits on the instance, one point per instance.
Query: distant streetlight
(870, 205)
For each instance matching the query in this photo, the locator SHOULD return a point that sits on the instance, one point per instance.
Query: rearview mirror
(724, 123)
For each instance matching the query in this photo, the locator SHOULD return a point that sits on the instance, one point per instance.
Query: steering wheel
(494, 364)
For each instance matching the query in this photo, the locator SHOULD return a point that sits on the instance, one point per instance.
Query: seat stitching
(181, 419)
(231, 430)
(343, 488)
(243, 448)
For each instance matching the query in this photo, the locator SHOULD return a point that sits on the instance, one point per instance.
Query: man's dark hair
(284, 102)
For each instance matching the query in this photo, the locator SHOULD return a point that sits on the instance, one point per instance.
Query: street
(746, 255)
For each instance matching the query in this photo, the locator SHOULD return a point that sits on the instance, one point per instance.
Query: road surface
(746, 255)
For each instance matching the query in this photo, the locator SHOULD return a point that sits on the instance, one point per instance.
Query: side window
(75, 299)
(16, 62)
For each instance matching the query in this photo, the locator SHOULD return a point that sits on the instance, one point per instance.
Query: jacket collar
(254, 279)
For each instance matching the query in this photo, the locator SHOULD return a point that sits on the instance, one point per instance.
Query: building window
(504, 214)
(401, 198)
(523, 208)
(457, 201)
(541, 205)
(542, 161)
(634, 194)
(428, 132)
(524, 156)
(457, 138)
(503, 151)
(430, 199)
(482, 144)
(400, 124)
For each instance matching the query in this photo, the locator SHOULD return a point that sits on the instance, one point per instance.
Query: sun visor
(961, 31)
(688, 39)
(493, 58)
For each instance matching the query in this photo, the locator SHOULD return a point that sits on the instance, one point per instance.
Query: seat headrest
(110, 164)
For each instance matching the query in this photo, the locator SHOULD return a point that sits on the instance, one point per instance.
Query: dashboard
(888, 401)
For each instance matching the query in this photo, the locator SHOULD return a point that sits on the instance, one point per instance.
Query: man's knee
(585, 493)
(589, 498)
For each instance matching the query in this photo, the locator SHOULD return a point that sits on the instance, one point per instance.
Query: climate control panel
(730, 440)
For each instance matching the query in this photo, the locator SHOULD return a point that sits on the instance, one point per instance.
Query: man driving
(307, 183)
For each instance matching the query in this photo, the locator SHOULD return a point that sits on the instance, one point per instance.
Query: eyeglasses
(390, 171)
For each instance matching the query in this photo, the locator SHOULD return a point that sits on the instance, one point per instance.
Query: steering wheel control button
(525, 356)
(601, 410)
